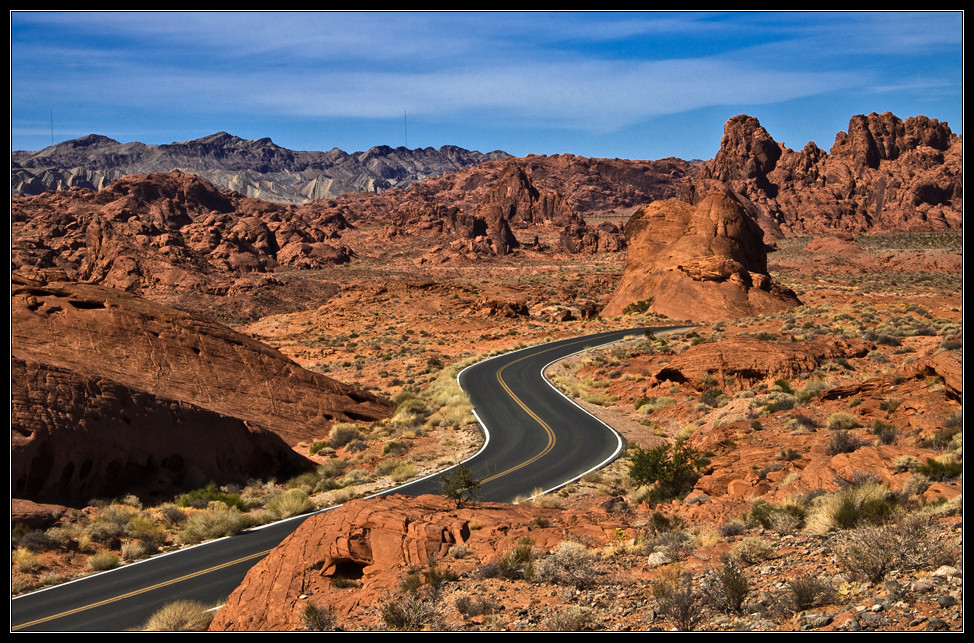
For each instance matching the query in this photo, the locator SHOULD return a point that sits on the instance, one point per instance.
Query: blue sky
(641, 85)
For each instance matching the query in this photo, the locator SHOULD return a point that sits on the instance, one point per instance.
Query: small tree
(459, 486)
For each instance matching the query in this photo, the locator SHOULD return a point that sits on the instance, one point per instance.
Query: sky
(634, 85)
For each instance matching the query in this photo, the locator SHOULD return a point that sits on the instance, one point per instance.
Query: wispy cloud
(588, 72)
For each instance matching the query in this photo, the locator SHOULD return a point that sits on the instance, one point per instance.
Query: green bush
(940, 470)
(200, 498)
(673, 469)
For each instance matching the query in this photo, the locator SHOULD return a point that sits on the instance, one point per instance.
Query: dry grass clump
(216, 521)
(180, 616)
(867, 502)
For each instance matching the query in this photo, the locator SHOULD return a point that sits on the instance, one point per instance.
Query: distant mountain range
(257, 168)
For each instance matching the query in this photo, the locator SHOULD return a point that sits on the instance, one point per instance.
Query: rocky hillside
(112, 393)
(254, 168)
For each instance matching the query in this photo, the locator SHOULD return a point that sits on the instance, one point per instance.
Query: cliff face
(702, 263)
(883, 174)
(110, 391)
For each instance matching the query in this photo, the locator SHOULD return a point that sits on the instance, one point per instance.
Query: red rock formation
(174, 237)
(704, 263)
(375, 542)
(883, 174)
(743, 361)
(110, 391)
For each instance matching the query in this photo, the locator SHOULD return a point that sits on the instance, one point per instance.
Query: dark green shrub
(884, 432)
(843, 441)
(673, 469)
(941, 471)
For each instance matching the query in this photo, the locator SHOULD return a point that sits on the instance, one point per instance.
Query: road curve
(537, 439)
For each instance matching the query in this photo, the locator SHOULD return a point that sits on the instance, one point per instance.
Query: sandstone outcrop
(374, 542)
(178, 239)
(882, 174)
(110, 391)
(705, 262)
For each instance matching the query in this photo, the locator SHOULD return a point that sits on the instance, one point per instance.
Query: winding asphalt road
(537, 439)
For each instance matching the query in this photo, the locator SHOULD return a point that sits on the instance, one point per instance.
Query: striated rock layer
(702, 263)
(110, 391)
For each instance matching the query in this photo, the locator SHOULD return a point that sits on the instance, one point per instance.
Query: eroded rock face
(375, 541)
(882, 174)
(176, 238)
(110, 391)
(703, 263)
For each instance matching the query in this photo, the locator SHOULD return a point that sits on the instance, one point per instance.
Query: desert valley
(219, 334)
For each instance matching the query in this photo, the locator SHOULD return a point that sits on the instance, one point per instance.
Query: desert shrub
(752, 551)
(517, 563)
(292, 502)
(843, 441)
(409, 613)
(106, 532)
(784, 517)
(839, 421)
(134, 550)
(679, 600)
(885, 433)
(217, 521)
(200, 498)
(713, 397)
(906, 462)
(909, 544)
(103, 561)
(395, 448)
(732, 586)
(941, 469)
(573, 618)
(672, 469)
(811, 390)
(570, 564)
(34, 540)
(342, 433)
(807, 591)
(675, 544)
(171, 513)
(732, 528)
(180, 616)
(789, 455)
(317, 619)
(25, 560)
(867, 502)
(468, 606)
(942, 439)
